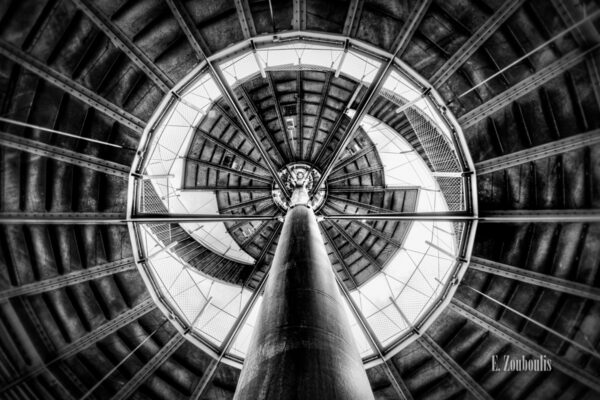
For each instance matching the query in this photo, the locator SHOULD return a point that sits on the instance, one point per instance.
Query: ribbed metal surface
(88, 85)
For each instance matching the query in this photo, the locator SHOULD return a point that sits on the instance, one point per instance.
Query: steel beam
(339, 257)
(525, 57)
(183, 218)
(231, 119)
(538, 152)
(257, 231)
(261, 124)
(228, 341)
(244, 174)
(205, 380)
(245, 17)
(355, 189)
(300, 106)
(593, 68)
(262, 209)
(396, 380)
(106, 329)
(123, 43)
(587, 349)
(372, 261)
(356, 174)
(68, 85)
(564, 13)
(535, 278)
(359, 204)
(410, 26)
(232, 188)
(348, 160)
(526, 344)
(98, 383)
(28, 349)
(388, 366)
(452, 366)
(336, 126)
(354, 124)
(492, 216)
(405, 216)
(67, 279)
(371, 230)
(88, 339)
(277, 107)
(263, 253)
(515, 216)
(352, 18)
(525, 86)
(345, 189)
(64, 155)
(582, 35)
(95, 218)
(188, 26)
(246, 203)
(150, 367)
(241, 319)
(228, 148)
(479, 37)
(448, 254)
(61, 218)
(324, 94)
(299, 15)
(60, 133)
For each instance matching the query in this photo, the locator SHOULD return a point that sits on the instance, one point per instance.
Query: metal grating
(436, 145)
(453, 192)
(151, 201)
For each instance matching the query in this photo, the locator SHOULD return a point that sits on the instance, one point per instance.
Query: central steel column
(302, 346)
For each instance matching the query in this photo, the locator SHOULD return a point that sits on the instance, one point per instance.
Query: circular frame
(248, 46)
